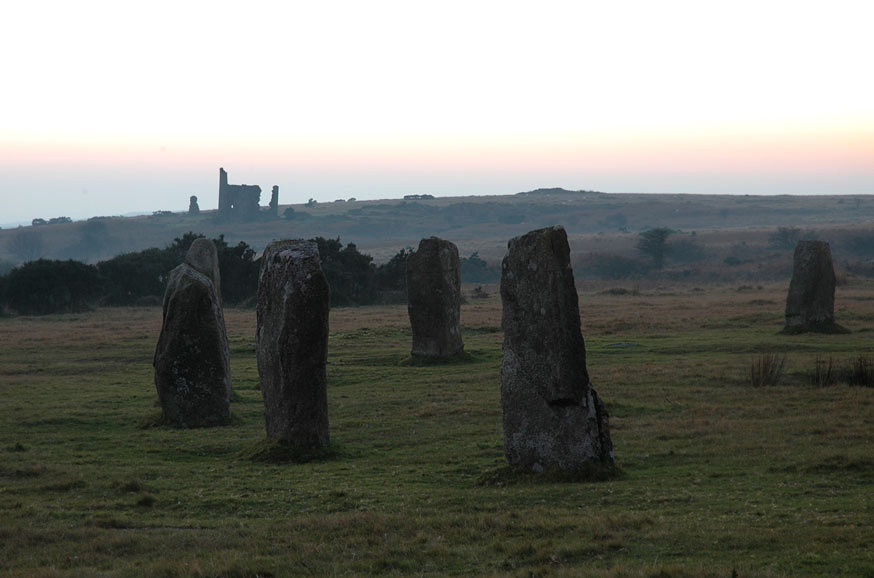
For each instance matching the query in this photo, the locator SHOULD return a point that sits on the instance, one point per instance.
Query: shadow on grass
(283, 452)
(827, 328)
(421, 361)
(836, 464)
(157, 420)
(508, 476)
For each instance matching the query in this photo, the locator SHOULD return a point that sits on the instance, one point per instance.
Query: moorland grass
(718, 478)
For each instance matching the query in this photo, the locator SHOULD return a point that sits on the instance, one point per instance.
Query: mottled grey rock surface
(810, 303)
(203, 256)
(552, 417)
(192, 367)
(292, 343)
(434, 299)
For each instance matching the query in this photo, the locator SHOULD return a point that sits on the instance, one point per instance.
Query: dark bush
(476, 270)
(43, 287)
(350, 274)
(141, 278)
(392, 275)
(130, 276)
(239, 271)
(653, 244)
(355, 280)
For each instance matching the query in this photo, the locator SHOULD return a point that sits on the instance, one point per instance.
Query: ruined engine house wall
(237, 201)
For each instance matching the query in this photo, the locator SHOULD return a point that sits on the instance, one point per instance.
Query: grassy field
(720, 478)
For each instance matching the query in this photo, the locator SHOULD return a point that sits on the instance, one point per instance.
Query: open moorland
(720, 476)
(718, 226)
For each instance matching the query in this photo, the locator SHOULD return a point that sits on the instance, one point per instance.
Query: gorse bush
(131, 278)
(476, 270)
(353, 277)
(44, 286)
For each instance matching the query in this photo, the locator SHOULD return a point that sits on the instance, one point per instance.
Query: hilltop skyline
(119, 110)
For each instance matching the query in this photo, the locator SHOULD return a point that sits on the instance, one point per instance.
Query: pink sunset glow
(453, 99)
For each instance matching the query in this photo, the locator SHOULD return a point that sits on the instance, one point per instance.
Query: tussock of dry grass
(767, 369)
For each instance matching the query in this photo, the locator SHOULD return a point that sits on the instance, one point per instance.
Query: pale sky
(114, 107)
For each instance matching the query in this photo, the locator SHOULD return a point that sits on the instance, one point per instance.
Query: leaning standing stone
(434, 299)
(192, 367)
(203, 256)
(810, 304)
(552, 417)
(292, 343)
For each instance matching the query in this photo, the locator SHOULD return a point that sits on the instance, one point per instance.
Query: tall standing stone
(192, 364)
(552, 417)
(292, 343)
(434, 299)
(810, 304)
(203, 256)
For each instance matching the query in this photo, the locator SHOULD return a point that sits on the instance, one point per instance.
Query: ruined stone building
(238, 202)
(274, 201)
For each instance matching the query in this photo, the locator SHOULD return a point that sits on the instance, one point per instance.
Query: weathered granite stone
(552, 417)
(203, 256)
(292, 343)
(810, 304)
(434, 299)
(192, 367)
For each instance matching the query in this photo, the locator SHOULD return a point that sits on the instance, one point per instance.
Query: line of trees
(53, 286)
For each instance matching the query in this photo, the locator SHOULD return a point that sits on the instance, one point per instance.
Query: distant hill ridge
(559, 191)
(475, 223)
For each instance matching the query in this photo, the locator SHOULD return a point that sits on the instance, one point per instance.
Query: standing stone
(552, 417)
(434, 299)
(291, 339)
(192, 366)
(810, 304)
(203, 256)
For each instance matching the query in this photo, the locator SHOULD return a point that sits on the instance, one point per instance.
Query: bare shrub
(861, 371)
(767, 369)
(824, 373)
